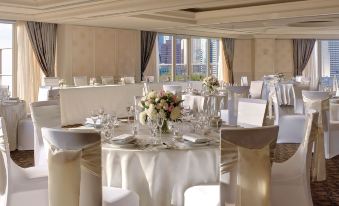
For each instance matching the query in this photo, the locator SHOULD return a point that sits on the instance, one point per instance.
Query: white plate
(127, 146)
(192, 144)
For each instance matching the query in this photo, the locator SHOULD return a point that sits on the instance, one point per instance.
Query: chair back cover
(298, 97)
(4, 163)
(251, 163)
(334, 110)
(244, 81)
(44, 114)
(273, 101)
(175, 89)
(105, 80)
(318, 101)
(251, 112)
(234, 93)
(128, 80)
(74, 167)
(256, 89)
(44, 93)
(51, 81)
(80, 81)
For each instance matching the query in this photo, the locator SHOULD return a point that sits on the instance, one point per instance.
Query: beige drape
(28, 70)
(311, 70)
(223, 68)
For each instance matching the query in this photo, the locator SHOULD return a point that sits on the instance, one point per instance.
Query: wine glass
(160, 124)
(94, 117)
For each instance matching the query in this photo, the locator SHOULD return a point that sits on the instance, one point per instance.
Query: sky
(6, 35)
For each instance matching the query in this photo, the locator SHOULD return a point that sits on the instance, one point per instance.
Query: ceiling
(240, 18)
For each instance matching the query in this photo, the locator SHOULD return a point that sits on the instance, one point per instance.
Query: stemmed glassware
(160, 124)
(152, 125)
(94, 117)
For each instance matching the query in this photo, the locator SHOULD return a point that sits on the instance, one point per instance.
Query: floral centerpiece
(61, 83)
(165, 104)
(211, 82)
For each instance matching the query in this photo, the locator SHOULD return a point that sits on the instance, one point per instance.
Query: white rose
(142, 118)
(152, 95)
(176, 113)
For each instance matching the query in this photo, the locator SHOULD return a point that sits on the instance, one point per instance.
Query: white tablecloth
(198, 102)
(160, 176)
(285, 93)
(13, 113)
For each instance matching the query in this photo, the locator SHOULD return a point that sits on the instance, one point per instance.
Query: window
(330, 58)
(165, 57)
(183, 57)
(6, 62)
(181, 66)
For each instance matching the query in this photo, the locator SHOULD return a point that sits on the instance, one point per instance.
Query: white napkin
(10, 101)
(195, 138)
(126, 138)
(90, 121)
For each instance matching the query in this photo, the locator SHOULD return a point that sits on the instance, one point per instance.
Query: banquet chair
(291, 179)
(128, 80)
(51, 81)
(333, 131)
(298, 102)
(234, 93)
(319, 101)
(175, 89)
(106, 80)
(44, 93)
(256, 89)
(20, 186)
(245, 170)
(244, 81)
(44, 114)
(251, 112)
(80, 81)
(74, 167)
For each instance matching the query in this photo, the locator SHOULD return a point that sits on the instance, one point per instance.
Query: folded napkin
(90, 121)
(195, 138)
(124, 138)
(9, 101)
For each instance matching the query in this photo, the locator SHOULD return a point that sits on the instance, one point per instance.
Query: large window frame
(188, 55)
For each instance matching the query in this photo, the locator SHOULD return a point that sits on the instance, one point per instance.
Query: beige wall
(255, 58)
(95, 51)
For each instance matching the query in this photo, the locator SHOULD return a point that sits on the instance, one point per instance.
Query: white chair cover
(291, 179)
(149, 79)
(51, 81)
(318, 101)
(251, 112)
(298, 98)
(253, 165)
(44, 114)
(332, 143)
(19, 186)
(244, 81)
(74, 167)
(43, 93)
(245, 170)
(80, 81)
(74, 164)
(107, 80)
(256, 89)
(175, 89)
(128, 80)
(234, 93)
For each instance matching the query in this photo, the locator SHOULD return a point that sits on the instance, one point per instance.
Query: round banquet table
(12, 112)
(160, 175)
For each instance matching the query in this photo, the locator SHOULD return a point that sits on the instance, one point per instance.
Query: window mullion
(174, 58)
(208, 57)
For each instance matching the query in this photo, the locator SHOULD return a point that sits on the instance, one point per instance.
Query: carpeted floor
(324, 193)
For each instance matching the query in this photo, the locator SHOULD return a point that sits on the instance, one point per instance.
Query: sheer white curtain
(28, 70)
(312, 70)
(222, 66)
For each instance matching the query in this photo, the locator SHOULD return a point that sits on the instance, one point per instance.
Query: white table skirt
(198, 102)
(13, 113)
(160, 177)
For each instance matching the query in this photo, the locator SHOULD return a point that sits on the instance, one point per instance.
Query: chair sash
(250, 157)
(319, 165)
(65, 173)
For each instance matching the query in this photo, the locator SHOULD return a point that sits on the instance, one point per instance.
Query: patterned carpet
(324, 193)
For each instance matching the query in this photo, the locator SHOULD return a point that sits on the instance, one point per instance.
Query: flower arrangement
(211, 82)
(161, 103)
(61, 83)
